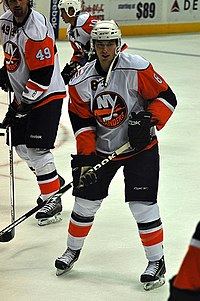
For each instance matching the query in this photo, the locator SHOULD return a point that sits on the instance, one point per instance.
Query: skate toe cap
(146, 278)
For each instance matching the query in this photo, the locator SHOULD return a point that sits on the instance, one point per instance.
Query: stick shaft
(35, 209)
(61, 191)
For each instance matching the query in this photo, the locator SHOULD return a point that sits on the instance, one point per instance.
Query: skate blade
(51, 220)
(148, 286)
(61, 272)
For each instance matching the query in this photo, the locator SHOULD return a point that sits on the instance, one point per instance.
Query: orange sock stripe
(78, 231)
(188, 276)
(152, 238)
(50, 187)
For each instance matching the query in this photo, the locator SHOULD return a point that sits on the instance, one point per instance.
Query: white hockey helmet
(106, 30)
(66, 4)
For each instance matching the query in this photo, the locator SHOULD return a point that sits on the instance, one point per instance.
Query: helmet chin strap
(117, 51)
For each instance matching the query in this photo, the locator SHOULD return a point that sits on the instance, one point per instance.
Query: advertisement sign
(184, 11)
(135, 14)
(54, 16)
(137, 11)
(97, 9)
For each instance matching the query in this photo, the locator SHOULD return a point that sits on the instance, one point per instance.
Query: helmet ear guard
(66, 4)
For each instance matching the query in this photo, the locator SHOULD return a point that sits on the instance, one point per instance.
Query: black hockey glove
(82, 172)
(68, 72)
(139, 130)
(4, 80)
(15, 113)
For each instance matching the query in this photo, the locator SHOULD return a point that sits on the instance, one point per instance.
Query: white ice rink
(112, 258)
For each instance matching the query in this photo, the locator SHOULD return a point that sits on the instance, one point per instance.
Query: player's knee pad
(86, 207)
(144, 212)
(21, 150)
(42, 160)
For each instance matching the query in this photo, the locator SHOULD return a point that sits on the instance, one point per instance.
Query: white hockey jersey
(99, 114)
(31, 58)
(79, 35)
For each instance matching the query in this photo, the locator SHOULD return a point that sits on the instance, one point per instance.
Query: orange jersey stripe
(86, 139)
(78, 105)
(86, 143)
(89, 24)
(159, 112)
(50, 187)
(153, 238)
(76, 58)
(78, 231)
(51, 98)
(188, 276)
(146, 83)
(34, 86)
(39, 54)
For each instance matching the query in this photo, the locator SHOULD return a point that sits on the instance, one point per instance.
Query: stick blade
(7, 236)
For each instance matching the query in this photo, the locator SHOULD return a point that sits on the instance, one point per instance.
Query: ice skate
(62, 183)
(66, 261)
(153, 277)
(50, 213)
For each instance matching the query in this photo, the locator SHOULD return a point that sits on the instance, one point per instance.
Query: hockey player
(185, 286)
(32, 71)
(78, 33)
(115, 99)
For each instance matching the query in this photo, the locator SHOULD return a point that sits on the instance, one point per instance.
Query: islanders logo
(110, 109)
(12, 56)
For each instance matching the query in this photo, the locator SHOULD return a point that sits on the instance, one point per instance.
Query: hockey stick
(10, 235)
(9, 228)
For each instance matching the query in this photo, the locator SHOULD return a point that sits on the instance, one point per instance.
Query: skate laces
(152, 268)
(49, 206)
(68, 256)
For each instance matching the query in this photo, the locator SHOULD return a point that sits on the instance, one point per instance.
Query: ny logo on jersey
(110, 109)
(12, 56)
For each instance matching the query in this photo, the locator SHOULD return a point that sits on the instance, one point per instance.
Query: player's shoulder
(36, 27)
(84, 74)
(132, 61)
(82, 19)
(8, 16)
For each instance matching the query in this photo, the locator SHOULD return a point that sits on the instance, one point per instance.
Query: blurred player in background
(78, 34)
(31, 69)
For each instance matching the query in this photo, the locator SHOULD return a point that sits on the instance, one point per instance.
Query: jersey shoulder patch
(130, 61)
(8, 16)
(82, 18)
(83, 74)
(36, 27)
